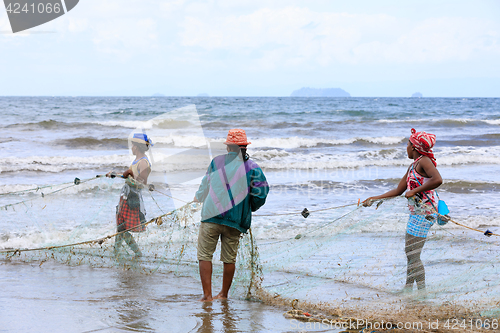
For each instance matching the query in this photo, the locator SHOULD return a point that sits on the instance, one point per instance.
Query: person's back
(232, 189)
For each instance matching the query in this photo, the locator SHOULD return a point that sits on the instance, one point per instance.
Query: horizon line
(247, 96)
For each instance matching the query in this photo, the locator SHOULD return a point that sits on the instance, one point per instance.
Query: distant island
(202, 95)
(313, 92)
(417, 95)
(158, 95)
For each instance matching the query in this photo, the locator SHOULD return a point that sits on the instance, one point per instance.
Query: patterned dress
(130, 216)
(422, 213)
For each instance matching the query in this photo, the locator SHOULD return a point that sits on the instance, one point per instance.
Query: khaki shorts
(207, 242)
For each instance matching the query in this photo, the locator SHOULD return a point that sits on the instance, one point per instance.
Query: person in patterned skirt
(130, 212)
(419, 182)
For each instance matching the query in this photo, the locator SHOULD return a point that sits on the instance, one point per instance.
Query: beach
(323, 154)
(58, 298)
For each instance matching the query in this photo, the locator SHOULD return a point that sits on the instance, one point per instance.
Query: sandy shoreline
(59, 298)
(54, 297)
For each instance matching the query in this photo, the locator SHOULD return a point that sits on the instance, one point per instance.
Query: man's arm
(259, 189)
(202, 192)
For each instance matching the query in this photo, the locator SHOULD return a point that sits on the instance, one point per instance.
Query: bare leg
(118, 238)
(129, 239)
(227, 280)
(206, 280)
(415, 269)
(118, 245)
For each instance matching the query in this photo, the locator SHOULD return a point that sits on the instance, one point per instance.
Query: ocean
(317, 153)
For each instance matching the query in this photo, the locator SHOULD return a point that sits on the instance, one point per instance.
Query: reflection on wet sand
(206, 318)
(118, 300)
(133, 314)
(223, 318)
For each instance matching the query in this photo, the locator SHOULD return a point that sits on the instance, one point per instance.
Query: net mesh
(347, 262)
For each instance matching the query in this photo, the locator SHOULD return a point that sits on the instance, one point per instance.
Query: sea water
(316, 153)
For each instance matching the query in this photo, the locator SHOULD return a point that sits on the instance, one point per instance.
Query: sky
(257, 48)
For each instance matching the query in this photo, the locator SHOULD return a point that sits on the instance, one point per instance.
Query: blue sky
(257, 48)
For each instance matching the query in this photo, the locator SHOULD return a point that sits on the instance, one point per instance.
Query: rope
(36, 189)
(449, 219)
(252, 265)
(328, 223)
(320, 227)
(379, 202)
(95, 241)
(486, 233)
(161, 210)
(101, 240)
(324, 209)
(260, 215)
(76, 182)
(154, 189)
(310, 211)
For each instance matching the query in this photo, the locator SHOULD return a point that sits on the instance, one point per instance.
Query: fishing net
(85, 233)
(344, 261)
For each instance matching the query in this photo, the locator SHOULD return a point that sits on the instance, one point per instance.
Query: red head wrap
(423, 143)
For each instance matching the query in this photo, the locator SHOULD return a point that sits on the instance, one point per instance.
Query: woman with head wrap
(419, 182)
(130, 212)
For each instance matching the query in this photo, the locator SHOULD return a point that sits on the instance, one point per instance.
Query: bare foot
(220, 296)
(406, 290)
(206, 299)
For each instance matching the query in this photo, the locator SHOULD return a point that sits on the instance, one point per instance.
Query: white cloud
(248, 44)
(76, 24)
(301, 36)
(169, 8)
(125, 38)
(120, 29)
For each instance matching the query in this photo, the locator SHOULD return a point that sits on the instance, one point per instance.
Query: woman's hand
(368, 202)
(392, 193)
(410, 194)
(128, 173)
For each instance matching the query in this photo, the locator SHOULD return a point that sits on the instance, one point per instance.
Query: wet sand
(60, 298)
